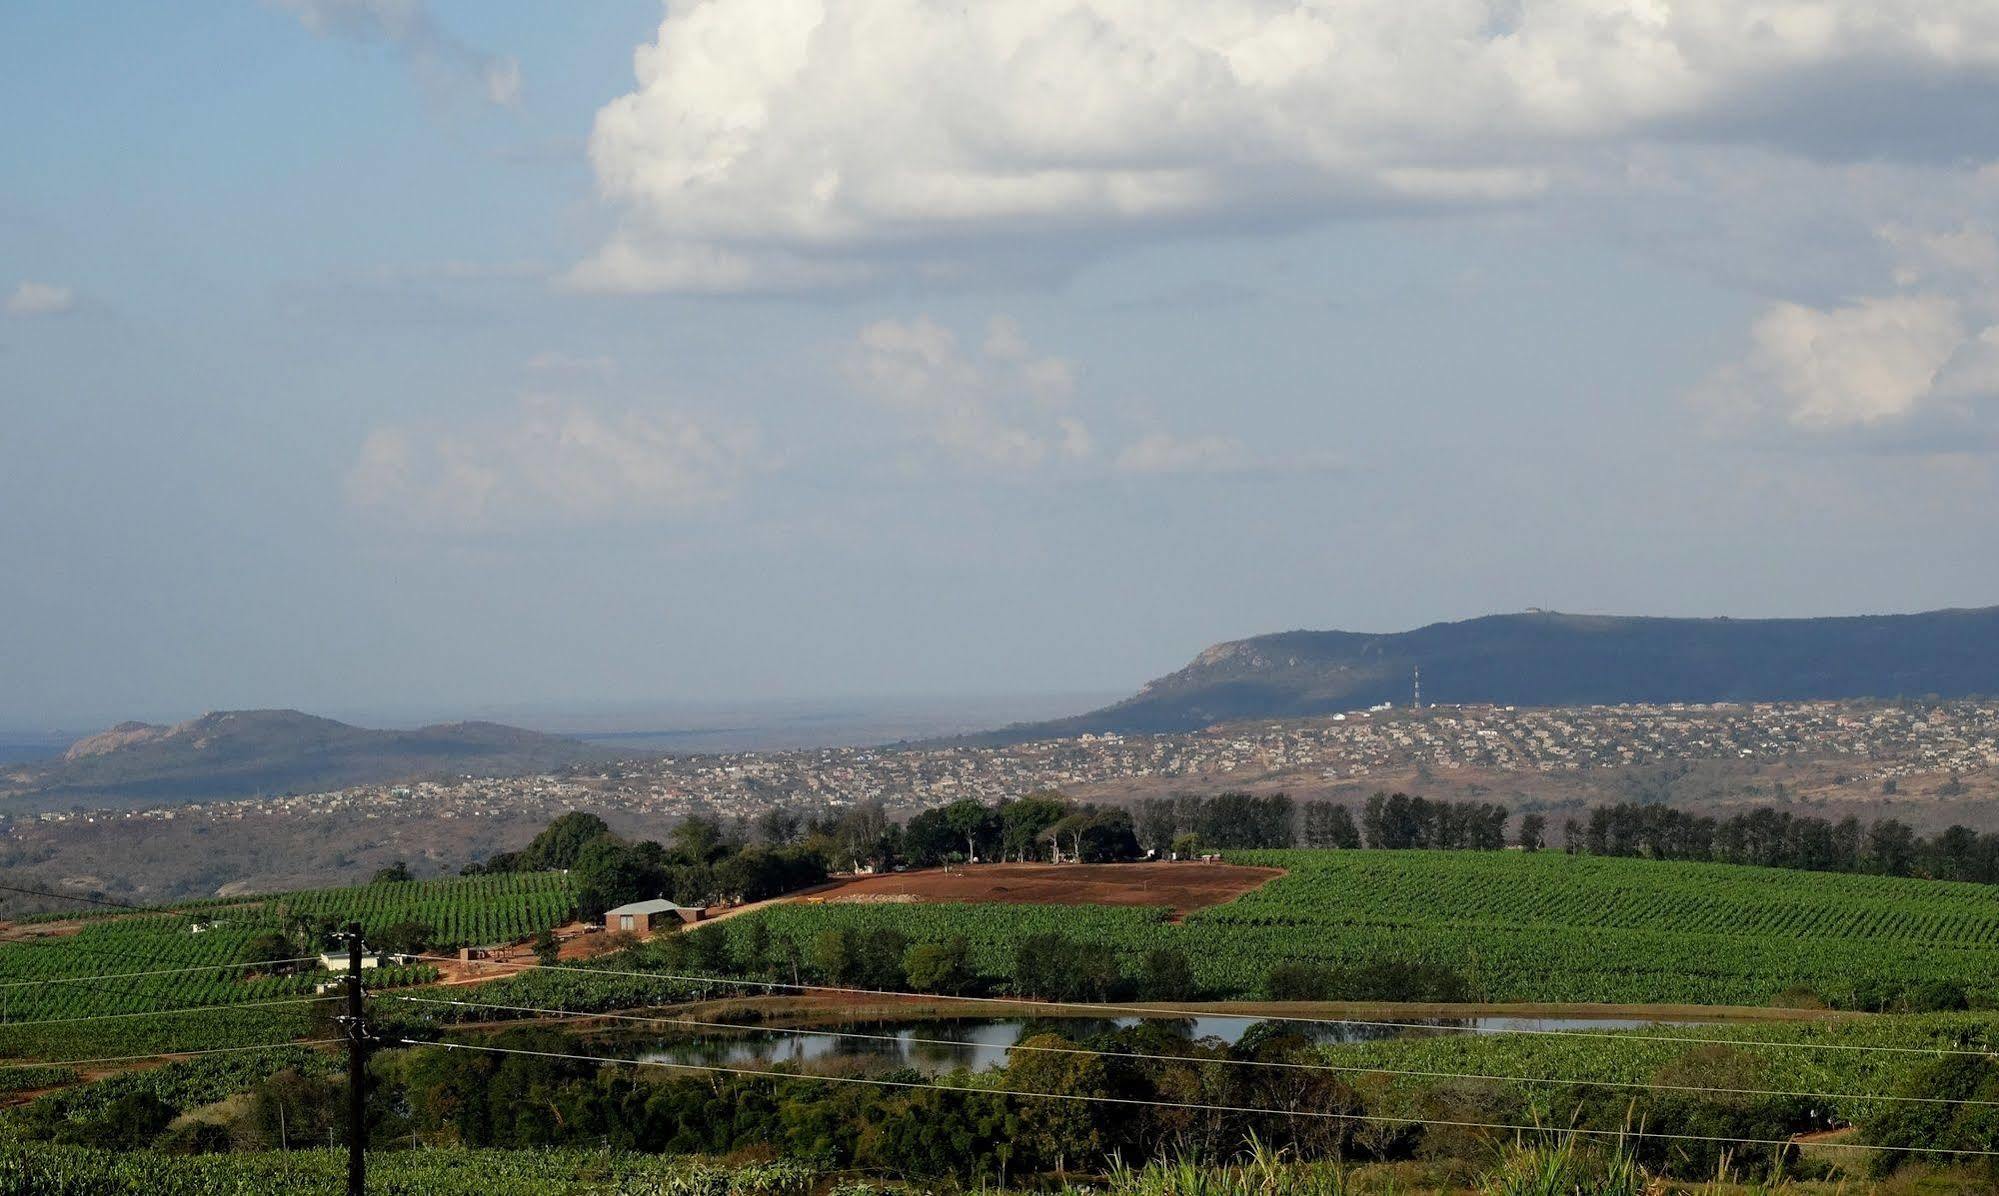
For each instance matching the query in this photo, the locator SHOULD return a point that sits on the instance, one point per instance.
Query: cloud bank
(795, 144)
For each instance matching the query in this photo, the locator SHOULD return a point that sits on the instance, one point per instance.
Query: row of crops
(87, 976)
(461, 911)
(1552, 889)
(193, 1030)
(1544, 927)
(203, 956)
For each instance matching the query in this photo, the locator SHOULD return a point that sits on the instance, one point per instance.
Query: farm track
(1179, 887)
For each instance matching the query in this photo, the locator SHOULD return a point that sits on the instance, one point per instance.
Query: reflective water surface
(948, 1044)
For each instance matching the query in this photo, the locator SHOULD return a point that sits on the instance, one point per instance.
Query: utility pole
(357, 1069)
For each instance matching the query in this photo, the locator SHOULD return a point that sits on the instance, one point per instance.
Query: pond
(941, 1045)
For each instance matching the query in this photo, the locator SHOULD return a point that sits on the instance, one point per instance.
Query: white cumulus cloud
(1000, 405)
(1920, 359)
(807, 143)
(1874, 363)
(40, 299)
(551, 461)
(409, 26)
(1004, 407)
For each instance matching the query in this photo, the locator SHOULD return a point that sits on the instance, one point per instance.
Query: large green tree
(1022, 823)
(561, 842)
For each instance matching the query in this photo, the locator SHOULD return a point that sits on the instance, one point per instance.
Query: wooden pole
(357, 1070)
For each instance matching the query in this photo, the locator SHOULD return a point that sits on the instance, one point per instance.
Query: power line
(1162, 1012)
(94, 947)
(97, 948)
(106, 901)
(267, 1046)
(126, 992)
(207, 967)
(1190, 1105)
(1345, 1068)
(123, 993)
(104, 1017)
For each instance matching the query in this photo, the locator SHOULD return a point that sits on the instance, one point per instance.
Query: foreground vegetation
(40, 1170)
(1552, 1165)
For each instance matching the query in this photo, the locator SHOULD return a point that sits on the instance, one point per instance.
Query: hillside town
(1873, 745)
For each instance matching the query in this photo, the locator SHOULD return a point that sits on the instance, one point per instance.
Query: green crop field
(1512, 927)
(49, 986)
(1772, 1056)
(1537, 927)
(461, 911)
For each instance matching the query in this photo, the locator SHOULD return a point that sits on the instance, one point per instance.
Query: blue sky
(372, 355)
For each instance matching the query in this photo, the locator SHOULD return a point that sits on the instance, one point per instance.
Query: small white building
(336, 961)
(640, 917)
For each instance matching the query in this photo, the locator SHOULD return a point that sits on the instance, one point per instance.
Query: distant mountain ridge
(239, 753)
(1544, 658)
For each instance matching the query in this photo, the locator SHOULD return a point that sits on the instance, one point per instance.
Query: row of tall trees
(1387, 820)
(1765, 837)
(1040, 826)
(1396, 820)
(1328, 824)
(1780, 839)
(1226, 820)
(704, 861)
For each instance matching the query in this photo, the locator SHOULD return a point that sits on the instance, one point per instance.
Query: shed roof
(658, 905)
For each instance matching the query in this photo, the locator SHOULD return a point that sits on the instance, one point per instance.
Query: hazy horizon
(687, 725)
(725, 723)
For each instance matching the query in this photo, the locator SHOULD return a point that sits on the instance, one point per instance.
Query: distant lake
(949, 1044)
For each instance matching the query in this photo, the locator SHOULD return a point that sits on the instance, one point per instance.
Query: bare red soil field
(1181, 887)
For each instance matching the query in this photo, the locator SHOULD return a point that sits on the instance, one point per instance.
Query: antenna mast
(1419, 687)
